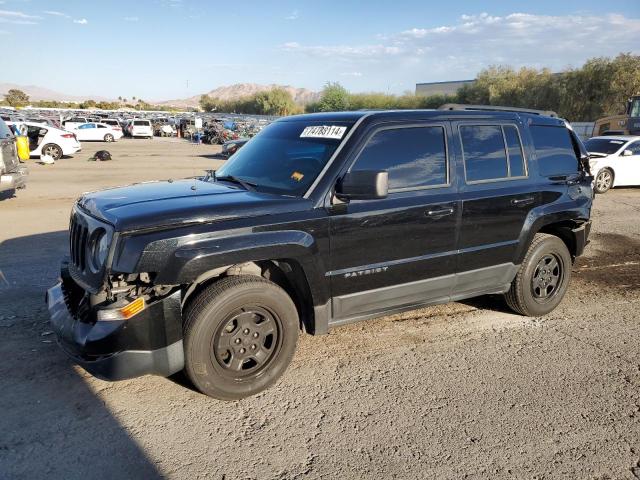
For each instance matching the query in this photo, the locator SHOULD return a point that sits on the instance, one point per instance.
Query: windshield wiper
(243, 183)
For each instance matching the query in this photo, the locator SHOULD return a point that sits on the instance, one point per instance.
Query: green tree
(334, 98)
(277, 101)
(16, 98)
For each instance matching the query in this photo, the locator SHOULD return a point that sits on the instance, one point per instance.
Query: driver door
(397, 252)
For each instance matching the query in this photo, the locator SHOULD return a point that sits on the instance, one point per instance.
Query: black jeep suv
(320, 220)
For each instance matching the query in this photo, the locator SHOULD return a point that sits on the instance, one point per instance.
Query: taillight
(68, 135)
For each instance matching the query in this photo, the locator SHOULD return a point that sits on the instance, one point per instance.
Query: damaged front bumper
(149, 342)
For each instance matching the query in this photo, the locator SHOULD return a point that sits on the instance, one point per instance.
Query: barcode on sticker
(324, 131)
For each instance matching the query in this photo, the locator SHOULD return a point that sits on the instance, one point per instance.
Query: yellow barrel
(22, 143)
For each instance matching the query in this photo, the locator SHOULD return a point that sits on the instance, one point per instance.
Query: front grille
(78, 237)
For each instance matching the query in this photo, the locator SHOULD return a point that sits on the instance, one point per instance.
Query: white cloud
(342, 51)
(18, 18)
(293, 16)
(462, 48)
(131, 19)
(53, 13)
(81, 21)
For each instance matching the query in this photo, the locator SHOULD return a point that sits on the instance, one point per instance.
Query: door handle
(439, 213)
(521, 202)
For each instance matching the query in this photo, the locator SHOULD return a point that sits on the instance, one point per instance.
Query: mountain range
(301, 96)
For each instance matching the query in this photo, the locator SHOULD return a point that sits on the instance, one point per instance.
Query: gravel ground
(464, 390)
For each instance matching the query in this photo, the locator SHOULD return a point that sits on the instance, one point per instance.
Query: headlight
(98, 248)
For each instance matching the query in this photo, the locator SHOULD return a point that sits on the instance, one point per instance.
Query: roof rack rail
(462, 106)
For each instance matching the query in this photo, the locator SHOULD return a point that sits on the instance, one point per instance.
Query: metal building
(441, 88)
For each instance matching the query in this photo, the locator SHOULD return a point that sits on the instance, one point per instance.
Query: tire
(603, 180)
(53, 150)
(108, 138)
(228, 320)
(543, 277)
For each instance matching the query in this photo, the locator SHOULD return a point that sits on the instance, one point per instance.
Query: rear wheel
(542, 279)
(53, 150)
(604, 180)
(239, 337)
(108, 138)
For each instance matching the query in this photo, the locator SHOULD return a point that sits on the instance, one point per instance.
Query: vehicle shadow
(213, 156)
(53, 425)
(494, 303)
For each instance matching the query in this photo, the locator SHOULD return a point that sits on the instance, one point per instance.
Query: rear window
(554, 149)
(110, 122)
(4, 130)
(604, 145)
(141, 123)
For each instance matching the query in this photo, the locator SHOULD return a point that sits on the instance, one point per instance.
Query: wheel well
(564, 231)
(286, 273)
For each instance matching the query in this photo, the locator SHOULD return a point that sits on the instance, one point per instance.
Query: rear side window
(554, 150)
(415, 157)
(492, 152)
(4, 130)
(141, 123)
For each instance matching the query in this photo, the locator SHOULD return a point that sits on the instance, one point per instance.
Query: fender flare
(187, 262)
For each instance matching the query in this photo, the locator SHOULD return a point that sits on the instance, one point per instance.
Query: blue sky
(161, 49)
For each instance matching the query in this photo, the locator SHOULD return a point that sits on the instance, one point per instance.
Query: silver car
(12, 174)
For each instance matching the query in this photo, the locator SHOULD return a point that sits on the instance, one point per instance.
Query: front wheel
(604, 180)
(240, 335)
(543, 277)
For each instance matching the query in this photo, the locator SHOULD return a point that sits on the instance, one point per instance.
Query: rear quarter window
(554, 149)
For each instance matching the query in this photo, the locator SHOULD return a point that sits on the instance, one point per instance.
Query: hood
(170, 203)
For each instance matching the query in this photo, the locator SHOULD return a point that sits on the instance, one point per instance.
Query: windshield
(603, 145)
(634, 111)
(286, 157)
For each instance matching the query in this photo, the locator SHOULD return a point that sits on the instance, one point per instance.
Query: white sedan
(614, 161)
(46, 140)
(99, 132)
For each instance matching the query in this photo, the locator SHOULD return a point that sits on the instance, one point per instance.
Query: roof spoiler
(493, 108)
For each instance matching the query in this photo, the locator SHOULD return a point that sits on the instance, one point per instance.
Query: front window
(634, 109)
(287, 156)
(605, 146)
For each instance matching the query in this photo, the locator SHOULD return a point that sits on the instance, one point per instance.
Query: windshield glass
(603, 145)
(635, 108)
(286, 157)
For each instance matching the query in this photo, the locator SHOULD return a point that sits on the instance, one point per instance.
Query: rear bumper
(581, 235)
(148, 343)
(14, 180)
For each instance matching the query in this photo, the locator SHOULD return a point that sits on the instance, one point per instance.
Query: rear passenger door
(398, 251)
(497, 194)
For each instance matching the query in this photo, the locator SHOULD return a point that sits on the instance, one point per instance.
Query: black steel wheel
(240, 335)
(543, 277)
(547, 277)
(246, 341)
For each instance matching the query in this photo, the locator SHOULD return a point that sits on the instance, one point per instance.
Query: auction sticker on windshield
(334, 132)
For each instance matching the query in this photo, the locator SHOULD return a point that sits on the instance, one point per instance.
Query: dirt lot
(462, 390)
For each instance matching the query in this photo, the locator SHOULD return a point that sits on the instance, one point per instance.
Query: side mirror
(626, 153)
(363, 185)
